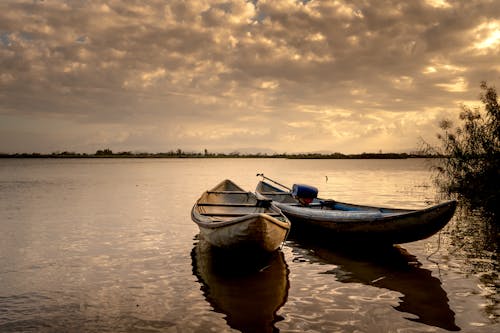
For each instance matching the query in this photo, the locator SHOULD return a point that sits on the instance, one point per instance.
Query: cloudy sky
(262, 75)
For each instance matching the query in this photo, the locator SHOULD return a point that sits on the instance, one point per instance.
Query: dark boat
(422, 299)
(232, 218)
(345, 221)
(249, 290)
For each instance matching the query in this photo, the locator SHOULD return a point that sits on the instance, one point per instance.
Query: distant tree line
(179, 153)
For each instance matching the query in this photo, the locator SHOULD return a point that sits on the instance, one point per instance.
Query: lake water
(108, 245)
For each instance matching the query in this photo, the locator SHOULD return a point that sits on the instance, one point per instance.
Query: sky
(240, 76)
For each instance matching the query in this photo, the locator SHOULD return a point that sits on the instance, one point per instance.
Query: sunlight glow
(439, 65)
(492, 31)
(402, 82)
(149, 77)
(269, 85)
(317, 37)
(438, 3)
(74, 66)
(458, 85)
(429, 70)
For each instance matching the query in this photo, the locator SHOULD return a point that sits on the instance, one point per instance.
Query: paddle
(264, 177)
(302, 200)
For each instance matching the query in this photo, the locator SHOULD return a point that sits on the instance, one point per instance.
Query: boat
(231, 218)
(312, 216)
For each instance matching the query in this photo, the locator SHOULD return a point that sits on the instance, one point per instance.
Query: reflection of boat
(342, 220)
(249, 292)
(229, 217)
(391, 268)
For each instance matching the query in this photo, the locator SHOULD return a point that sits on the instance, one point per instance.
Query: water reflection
(391, 268)
(475, 241)
(248, 290)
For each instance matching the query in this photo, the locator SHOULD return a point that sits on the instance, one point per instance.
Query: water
(107, 245)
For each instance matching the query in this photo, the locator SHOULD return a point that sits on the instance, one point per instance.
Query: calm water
(108, 246)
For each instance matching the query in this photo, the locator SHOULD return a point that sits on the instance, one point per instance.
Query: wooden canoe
(346, 221)
(230, 217)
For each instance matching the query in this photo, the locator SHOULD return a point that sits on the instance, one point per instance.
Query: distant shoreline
(100, 154)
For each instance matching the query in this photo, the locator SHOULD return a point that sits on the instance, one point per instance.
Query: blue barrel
(304, 191)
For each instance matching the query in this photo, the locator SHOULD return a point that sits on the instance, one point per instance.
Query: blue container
(304, 191)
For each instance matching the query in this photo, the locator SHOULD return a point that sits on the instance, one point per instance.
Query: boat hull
(394, 228)
(253, 232)
(345, 221)
(230, 218)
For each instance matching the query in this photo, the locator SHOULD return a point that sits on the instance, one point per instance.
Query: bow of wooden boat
(229, 217)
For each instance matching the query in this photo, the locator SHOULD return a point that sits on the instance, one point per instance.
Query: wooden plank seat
(227, 192)
(275, 193)
(225, 204)
(239, 214)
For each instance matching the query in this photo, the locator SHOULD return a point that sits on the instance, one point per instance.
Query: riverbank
(101, 154)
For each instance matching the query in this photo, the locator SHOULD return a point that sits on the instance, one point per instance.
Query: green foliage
(470, 166)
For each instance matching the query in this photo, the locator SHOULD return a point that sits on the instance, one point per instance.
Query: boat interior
(227, 200)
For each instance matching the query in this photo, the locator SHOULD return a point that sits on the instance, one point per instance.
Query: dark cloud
(345, 76)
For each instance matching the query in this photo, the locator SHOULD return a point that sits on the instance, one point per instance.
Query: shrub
(470, 163)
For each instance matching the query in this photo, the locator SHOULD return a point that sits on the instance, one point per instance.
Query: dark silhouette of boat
(392, 268)
(249, 288)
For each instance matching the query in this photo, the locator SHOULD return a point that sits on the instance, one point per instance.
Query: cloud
(281, 75)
